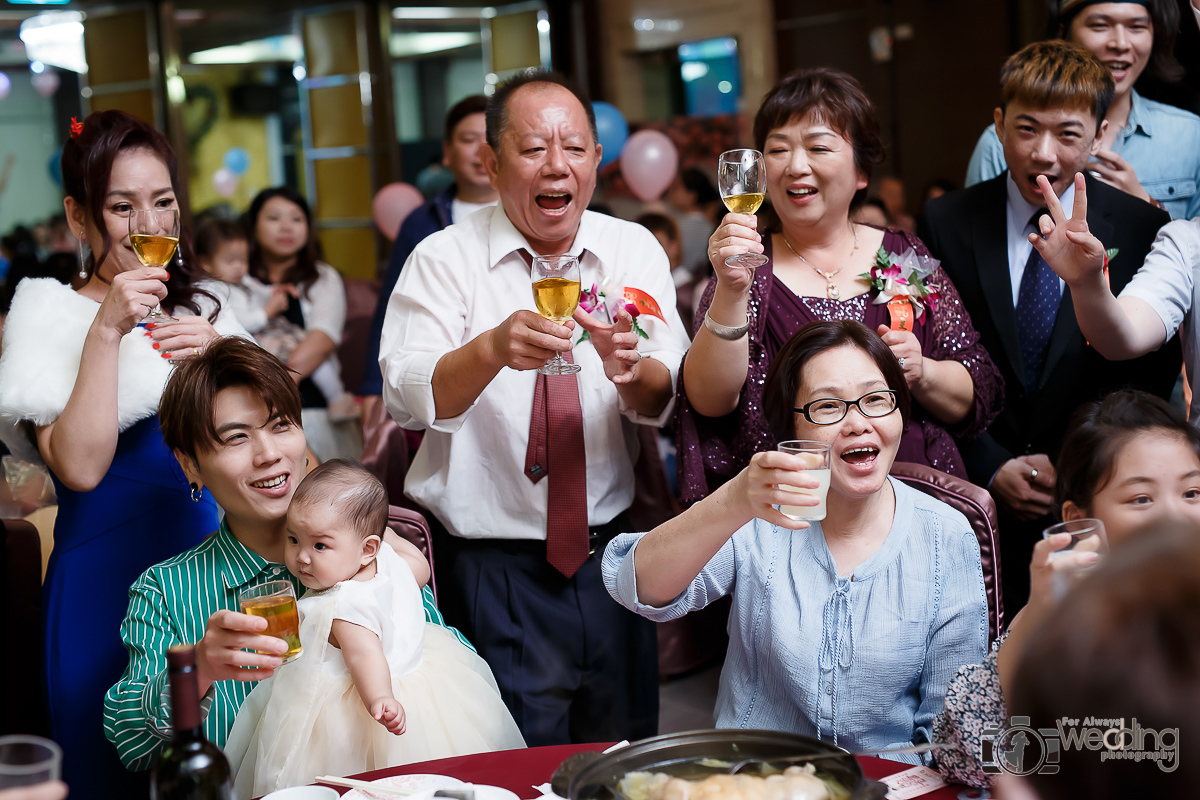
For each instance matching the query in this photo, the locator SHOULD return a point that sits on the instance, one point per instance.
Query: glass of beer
(742, 181)
(154, 234)
(556, 295)
(275, 601)
(815, 456)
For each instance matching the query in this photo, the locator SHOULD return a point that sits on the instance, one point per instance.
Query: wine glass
(556, 295)
(742, 180)
(154, 234)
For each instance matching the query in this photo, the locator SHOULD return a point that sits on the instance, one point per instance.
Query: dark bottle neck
(185, 699)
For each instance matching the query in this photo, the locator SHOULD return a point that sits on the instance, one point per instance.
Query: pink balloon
(649, 163)
(392, 204)
(225, 182)
(45, 83)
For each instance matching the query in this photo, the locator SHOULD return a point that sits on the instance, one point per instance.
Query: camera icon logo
(1020, 749)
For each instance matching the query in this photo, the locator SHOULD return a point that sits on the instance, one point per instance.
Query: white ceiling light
(286, 48)
(402, 45)
(55, 38)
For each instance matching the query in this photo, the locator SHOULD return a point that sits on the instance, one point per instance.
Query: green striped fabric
(170, 604)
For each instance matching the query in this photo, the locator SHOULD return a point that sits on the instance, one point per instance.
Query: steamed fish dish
(794, 783)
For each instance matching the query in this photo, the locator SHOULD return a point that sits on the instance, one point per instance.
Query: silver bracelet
(726, 332)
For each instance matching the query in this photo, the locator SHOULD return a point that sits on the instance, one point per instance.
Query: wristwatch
(726, 332)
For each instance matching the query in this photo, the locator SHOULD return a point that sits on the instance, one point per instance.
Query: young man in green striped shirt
(251, 455)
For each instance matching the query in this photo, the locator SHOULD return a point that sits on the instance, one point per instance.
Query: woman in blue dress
(81, 375)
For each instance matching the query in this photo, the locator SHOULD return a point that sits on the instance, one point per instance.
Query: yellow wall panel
(117, 48)
(331, 43)
(337, 116)
(343, 187)
(515, 41)
(351, 251)
(140, 103)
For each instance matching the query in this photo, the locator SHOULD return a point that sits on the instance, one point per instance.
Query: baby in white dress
(376, 685)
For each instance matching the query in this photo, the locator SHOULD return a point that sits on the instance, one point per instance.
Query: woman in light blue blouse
(1151, 150)
(849, 629)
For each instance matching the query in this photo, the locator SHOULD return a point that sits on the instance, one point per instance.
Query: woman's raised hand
(130, 297)
(759, 487)
(736, 235)
(181, 338)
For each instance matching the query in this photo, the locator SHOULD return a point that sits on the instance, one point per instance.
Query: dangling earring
(197, 492)
(83, 273)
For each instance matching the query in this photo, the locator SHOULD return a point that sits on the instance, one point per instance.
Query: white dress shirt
(323, 303)
(467, 279)
(1020, 212)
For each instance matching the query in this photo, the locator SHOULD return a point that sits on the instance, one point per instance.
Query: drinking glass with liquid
(1087, 536)
(815, 456)
(742, 182)
(154, 234)
(275, 601)
(556, 295)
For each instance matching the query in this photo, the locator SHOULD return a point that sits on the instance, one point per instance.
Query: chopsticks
(371, 788)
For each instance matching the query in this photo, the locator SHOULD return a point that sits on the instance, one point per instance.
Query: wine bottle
(192, 767)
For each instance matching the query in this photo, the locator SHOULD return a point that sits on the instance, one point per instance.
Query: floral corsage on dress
(900, 281)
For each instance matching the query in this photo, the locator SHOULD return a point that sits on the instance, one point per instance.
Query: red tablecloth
(520, 770)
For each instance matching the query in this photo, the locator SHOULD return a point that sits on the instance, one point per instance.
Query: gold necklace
(831, 289)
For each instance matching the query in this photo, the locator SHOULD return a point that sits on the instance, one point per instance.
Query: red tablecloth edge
(520, 770)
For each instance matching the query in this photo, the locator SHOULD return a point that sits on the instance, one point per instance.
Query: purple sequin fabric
(711, 450)
(974, 704)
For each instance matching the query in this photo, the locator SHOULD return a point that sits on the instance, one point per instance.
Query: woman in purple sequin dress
(820, 140)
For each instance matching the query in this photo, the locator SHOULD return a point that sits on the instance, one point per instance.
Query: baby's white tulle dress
(308, 719)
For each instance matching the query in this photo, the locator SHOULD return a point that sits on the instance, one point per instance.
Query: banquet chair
(411, 525)
(977, 505)
(20, 627)
(361, 296)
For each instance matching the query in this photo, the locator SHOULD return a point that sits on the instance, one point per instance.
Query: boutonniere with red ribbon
(900, 281)
(610, 299)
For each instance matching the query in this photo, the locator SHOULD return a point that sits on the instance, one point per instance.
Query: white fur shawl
(43, 343)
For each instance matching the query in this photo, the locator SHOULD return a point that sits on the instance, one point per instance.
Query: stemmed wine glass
(154, 234)
(742, 181)
(556, 295)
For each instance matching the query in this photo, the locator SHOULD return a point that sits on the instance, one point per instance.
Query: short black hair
(785, 373)
(497, 106)
(475, 104)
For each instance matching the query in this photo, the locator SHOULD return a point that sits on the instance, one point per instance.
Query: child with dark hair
(366, 648)
(222, 249)
(1130, 460)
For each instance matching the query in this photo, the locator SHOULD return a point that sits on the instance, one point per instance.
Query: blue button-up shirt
(861, 661)
(1160, 142)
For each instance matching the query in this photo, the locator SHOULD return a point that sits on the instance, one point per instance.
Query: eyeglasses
(829, 410)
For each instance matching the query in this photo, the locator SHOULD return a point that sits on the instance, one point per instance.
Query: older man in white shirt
(530, 475)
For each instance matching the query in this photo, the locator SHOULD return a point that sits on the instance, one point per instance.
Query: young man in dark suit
(1051, 121)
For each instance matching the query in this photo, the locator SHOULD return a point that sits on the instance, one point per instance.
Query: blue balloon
(237, 160)
(55, 167)
(613, 131)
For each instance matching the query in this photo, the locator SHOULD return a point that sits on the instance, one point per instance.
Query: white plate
(419, 785)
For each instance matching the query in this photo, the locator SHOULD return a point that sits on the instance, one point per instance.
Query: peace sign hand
(1069, 247)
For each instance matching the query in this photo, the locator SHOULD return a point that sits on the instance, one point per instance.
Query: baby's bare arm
(370, 672)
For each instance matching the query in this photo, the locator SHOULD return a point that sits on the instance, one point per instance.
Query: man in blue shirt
(471, 191)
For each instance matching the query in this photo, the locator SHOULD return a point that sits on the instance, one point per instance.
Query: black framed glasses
(830, 410)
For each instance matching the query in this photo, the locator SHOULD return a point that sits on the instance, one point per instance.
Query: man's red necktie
(556, 449)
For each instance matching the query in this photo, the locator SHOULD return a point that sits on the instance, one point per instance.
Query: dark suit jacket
(967, 231)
